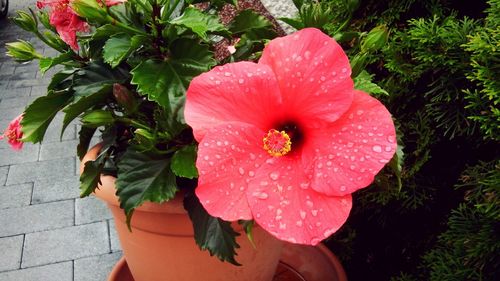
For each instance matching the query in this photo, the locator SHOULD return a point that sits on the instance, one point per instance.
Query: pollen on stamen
(277, 143)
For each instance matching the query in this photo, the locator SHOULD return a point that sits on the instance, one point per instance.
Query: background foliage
(435, 215)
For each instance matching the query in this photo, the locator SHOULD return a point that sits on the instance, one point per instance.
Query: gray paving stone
(53, 133)
(54, 190)
(44, 170)
(13, 84)
(90, 209)
(3, 175)
(65, 244)
(14, 102)
(29, 153)
(113, 237)
(13, 196)
(18, 92)
(54, 150)
(52, 272)
(36, 218)
(95, 268)
(11, 113)
(11, 248)
(38, 91)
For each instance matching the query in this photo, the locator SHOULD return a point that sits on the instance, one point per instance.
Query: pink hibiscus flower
(287, 140)
(114, 2)
(14, 133)
(65, 20)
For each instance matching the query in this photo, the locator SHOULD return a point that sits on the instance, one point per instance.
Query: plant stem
(134, 123)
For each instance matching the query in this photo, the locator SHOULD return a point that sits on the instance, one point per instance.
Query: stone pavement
(47, 233)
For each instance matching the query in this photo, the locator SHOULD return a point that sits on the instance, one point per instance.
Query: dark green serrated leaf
(211, 233)
(248, 20)
(363, 82)
(48, 63)
(166, 81)
(81, 105)
(85, 136)
(96, 77)
(91, 175)
(105, 31)
(40, 113)
(200, 23)
(62, 76)
(116, 49)
(184, 162)
(143, 177)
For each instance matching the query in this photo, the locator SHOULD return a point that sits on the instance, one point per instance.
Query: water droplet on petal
(241, 81)
(299, 223)
(377, 148)
(264, 183)
(314, 212)
(309, 204)
(342, 188)
(388, 148)
(206, 157)
(390, 139)
(251, 173)
(359, 112)
(307, 54)
(241, 170)
(274, 175)
(260, 195)
(227, 74)
(217, 82)
(302, 214)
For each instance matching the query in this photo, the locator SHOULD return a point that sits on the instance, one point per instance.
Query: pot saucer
(297, 263)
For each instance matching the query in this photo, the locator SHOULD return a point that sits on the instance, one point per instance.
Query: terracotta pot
(161, 246)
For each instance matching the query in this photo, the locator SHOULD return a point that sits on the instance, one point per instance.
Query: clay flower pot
(161, 245)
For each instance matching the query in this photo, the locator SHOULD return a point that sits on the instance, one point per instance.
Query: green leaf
(184, 162)
(248, 20)
(211, 233)
(91, 175)
(62, 76)
(97, 77)
(106, 31)
(84, 103)
(143, 177)
(166, 81)
(48, 63)
(364, 83)
(85, 136)
(200, 23)
(116, 49)
(40, 113)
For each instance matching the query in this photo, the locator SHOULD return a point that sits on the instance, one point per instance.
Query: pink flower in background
(114, 2)
(232, 48)
(14, 134)
(66, 22)
(286, 141)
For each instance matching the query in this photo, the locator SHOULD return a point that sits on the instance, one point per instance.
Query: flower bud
(97, 118)
(376, 39)
(22, 51)
(124, 98)
(90, 9)
(25, 21)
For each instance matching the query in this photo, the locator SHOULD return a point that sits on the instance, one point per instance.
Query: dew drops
(217, 82)
(251, 173)
(352, 167)
(302, 214)
(206, 157)
(252, 156)
(274, 175)
(264, 183)
(388, 148)
(344, 70)
(342, 188)
(241, 81)
(350, 144)
(299, 223)
(330, 156)
(304, 185)
(260, 195)
(227, 74)
(314, 213)
(309, 203)
(322, 78)
(282, 225)
(359, 112)
(384, 161)
(377, 148)
(241, 171)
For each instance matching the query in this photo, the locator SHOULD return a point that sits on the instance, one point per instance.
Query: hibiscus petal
(283, 203)
(313, 73)
(228, 156)
(348, 155)
(241, 92)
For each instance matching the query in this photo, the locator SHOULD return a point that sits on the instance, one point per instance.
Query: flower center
(277, 143)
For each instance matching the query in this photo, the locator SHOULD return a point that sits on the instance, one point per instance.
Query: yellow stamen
(277, 143)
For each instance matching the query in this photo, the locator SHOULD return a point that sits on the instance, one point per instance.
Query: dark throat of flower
(279, 142)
